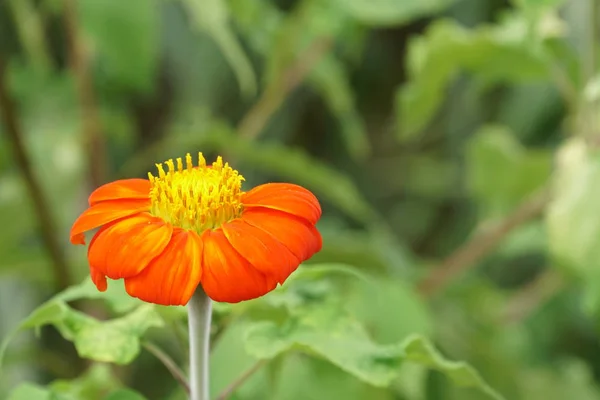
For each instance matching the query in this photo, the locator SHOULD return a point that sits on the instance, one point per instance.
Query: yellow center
(196, 198)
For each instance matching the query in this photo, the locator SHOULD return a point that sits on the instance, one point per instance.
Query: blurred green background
(453, 145)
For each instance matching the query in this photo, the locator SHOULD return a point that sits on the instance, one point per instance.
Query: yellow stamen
(196, 198)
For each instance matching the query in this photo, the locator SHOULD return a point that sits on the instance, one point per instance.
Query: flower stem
(199, 317)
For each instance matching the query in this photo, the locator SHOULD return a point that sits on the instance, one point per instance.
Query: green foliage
(390, 12)
(489, 53)
(318, 324)
(424, 128)
(96, 383)
(212, 16)
(116, 341)
(126, 35)
(502, 172)
(291, 164)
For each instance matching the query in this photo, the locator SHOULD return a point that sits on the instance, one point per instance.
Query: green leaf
(384, 13)
(51, 312)
(501, 172)
(319, 324)
(126, 35)
(212, 16)
(94, 383)
(301, 378)
(434, 59)
(573, 218)
(116, 341)
(115, 295)
(125, 394)
(341, 341)
(29, 391)
(389, 309)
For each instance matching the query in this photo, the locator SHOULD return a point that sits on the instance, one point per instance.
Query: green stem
(199, 317)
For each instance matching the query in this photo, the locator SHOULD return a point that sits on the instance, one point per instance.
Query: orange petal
(172, 277)
(99, 279)
(297, 234)
(121, 190)
(125, 248)
(103, 213)
(261, 249)
(226, 275)
(287, 197)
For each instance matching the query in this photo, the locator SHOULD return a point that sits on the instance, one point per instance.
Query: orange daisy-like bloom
(194, 225)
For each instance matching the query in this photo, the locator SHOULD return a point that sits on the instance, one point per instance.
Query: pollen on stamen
(196, 198)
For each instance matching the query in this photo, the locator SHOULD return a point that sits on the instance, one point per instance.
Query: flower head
(192, 225)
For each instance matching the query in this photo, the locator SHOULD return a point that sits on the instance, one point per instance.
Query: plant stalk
(199, 319)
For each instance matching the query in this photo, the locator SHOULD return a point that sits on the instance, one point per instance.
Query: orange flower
(195, 225)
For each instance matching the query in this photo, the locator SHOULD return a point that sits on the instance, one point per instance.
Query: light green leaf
(420, 351)
(126, 36)
(434, 59)
(301, 378)
(29, 391)
(212, 16)
(94, 383)
(115, 295)
(391, 12)
(573, 218)
(340, 340)
(125, 394)
(319, 324)
(389, 309)
(501, 172)
(51, 312)
(118, 340)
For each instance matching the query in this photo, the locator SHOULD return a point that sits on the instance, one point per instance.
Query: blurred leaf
(384, 13)
(28, 22)
(285, 42)
(126, 36)
(538, 5)
(572, 380)
(330, 78)
(228, 347)
(29, 391)
(435, 58)
(573, 219)
(125, 394)
(93, 384)
(115, 295)
(302, 378)
(272, 158)
(213, 17)
(389, 309)
(501, 172)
